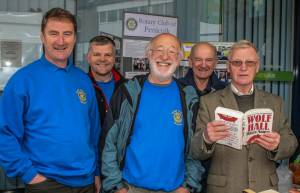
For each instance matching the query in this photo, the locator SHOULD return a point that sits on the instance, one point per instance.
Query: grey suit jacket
(253, 167)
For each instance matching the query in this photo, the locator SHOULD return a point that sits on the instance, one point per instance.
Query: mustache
(203, 69)
(168, 62)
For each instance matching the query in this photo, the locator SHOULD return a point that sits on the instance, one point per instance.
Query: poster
(135, 61)
(11, 53)
(138, 29)
(134, 48)
(148, 25)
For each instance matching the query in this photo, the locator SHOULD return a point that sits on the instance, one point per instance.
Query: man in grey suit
(253, 167)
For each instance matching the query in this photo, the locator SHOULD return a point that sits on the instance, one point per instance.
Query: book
(266, 191)
(244, 128)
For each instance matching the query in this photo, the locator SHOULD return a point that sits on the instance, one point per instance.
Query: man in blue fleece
(148, 147)
(49, 122)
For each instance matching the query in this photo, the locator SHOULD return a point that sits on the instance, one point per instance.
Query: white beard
(162, 76)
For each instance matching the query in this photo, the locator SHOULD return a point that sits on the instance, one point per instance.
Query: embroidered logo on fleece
(177, 117)
(81, 95)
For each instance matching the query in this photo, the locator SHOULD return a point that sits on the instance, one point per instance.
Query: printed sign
(275, 76)
(142, 25)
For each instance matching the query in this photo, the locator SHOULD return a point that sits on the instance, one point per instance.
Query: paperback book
(244, 128)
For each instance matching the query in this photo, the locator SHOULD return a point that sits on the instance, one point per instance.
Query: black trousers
(51, 186)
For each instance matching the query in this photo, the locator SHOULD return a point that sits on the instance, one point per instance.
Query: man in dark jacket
(106, 79)
(201, 76)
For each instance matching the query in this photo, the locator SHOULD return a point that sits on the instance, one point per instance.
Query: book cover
(244, 128)
(266, 191)
(256, 123)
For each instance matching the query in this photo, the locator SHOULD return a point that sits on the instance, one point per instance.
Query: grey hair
(240, 45)
(206, 44)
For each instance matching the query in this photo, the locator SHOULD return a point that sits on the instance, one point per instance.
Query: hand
(293, 190)
(122, 190)
(215, 131)
(181, 190)
(97, 184)
(37, 179)
(269, 141)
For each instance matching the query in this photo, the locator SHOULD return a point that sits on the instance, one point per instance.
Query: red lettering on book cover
(259, 122)
(227, 118)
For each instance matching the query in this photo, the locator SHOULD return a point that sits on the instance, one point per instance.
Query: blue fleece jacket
(154, 159)
(49, 124)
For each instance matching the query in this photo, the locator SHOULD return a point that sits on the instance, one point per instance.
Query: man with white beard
(148, 146)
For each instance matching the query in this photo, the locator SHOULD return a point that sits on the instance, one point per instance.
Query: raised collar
(238, 93)
(213, 83)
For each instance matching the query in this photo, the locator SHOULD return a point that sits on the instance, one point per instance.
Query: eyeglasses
(239, 63)
(206, 60)
(169, 51)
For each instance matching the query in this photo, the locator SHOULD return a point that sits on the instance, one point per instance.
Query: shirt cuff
(205, 140)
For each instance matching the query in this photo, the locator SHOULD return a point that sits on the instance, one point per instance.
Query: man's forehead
(60, 20)
(245, 52)
(99, 45)
(53, 24)
(101, 48)
(166, 41)
(204, 49)
(163, 46)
